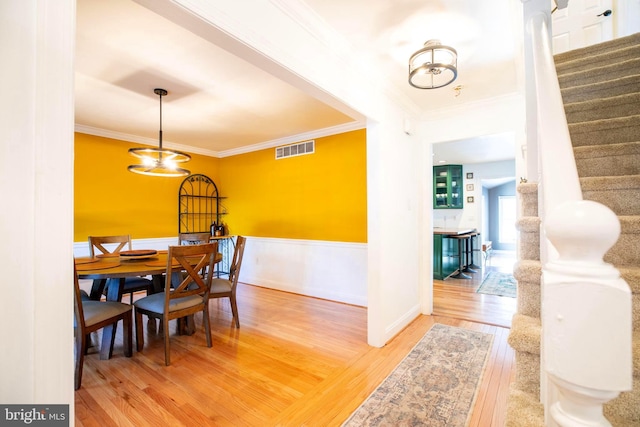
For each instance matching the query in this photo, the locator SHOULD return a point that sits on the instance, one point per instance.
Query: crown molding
(142, 140)
(333, 130)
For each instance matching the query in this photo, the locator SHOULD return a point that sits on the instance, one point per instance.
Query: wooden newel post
(587, 315)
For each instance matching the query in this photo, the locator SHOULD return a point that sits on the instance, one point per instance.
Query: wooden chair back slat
(98, 242)
(193, 238)
(194, 274)
(236, 263)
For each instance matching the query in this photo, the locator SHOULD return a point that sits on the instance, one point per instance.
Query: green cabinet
(447, 187)
(445, 256)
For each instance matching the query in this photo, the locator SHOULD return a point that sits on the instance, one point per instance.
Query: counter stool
(467, 255)
(462, 240)
(471, 250)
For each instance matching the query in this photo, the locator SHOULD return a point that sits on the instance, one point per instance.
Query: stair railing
(586, 306)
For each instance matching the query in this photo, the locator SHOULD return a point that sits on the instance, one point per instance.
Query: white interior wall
(36, 183)
(292, 45)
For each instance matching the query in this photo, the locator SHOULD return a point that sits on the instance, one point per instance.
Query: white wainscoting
(335, 271)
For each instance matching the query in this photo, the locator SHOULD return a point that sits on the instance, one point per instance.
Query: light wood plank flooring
(294, 361)
(457, 298)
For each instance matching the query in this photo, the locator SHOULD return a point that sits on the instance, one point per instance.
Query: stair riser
(619, 43)
(602, 60)
(611, 131)
(529, 299)
(601, 90)
(524, 410)
(599, 75)
(617, 165)
(527, 373)
(603, 109)
(627, 405)
(529, 246)
(625, 251)
(632, 277)
(529, 205)
(621, 202)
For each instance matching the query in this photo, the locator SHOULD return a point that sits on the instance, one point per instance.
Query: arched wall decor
(198, 204)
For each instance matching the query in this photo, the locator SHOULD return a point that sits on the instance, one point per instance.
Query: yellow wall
(110, 200)
(321, 196)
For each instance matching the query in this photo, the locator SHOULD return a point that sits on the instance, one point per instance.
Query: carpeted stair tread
(631, 275)
(603, 108)
(618, 193)
(625, 251)
(602, 59)
(608, 159)
(524, 410)
(594, 183)
(624, 410)
(528, 224)
(606, 131)
(627, 84)
(527, 271)
(525, 334)
(619, 43)
(600, 75)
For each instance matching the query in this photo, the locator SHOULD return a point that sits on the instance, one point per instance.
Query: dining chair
(90, 316)
(128, 285)
(226, 288)
(193, 238)
(183, 299)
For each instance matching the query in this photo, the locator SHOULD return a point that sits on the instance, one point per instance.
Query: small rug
(435, 385)
(496, 283)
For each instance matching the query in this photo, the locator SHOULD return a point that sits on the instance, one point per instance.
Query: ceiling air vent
(307, 147)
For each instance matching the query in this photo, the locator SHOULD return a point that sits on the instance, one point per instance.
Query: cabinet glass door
(455, 194)
(441, 187)
(447, 187)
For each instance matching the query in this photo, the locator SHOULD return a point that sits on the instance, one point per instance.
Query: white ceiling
(218, 103)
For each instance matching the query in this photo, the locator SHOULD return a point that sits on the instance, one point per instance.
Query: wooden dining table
(108, 270)
(113, 268)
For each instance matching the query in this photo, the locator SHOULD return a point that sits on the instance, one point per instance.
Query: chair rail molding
(336, 271)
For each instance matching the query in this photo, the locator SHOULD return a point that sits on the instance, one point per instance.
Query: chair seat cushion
(97, 311)
(155, 302)
(220, 285)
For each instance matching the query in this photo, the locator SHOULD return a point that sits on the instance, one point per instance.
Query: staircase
(600, 88)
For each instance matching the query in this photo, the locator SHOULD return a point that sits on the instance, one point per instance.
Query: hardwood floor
(294, 361)
(457, 298)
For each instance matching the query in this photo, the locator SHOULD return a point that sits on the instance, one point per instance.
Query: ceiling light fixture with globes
(433, 66)
(159, 161)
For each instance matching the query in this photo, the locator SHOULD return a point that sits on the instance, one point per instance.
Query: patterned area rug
(496, 283)
(435, 385)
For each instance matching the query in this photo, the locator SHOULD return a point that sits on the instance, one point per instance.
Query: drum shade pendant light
(159, 161)
(433, 66)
